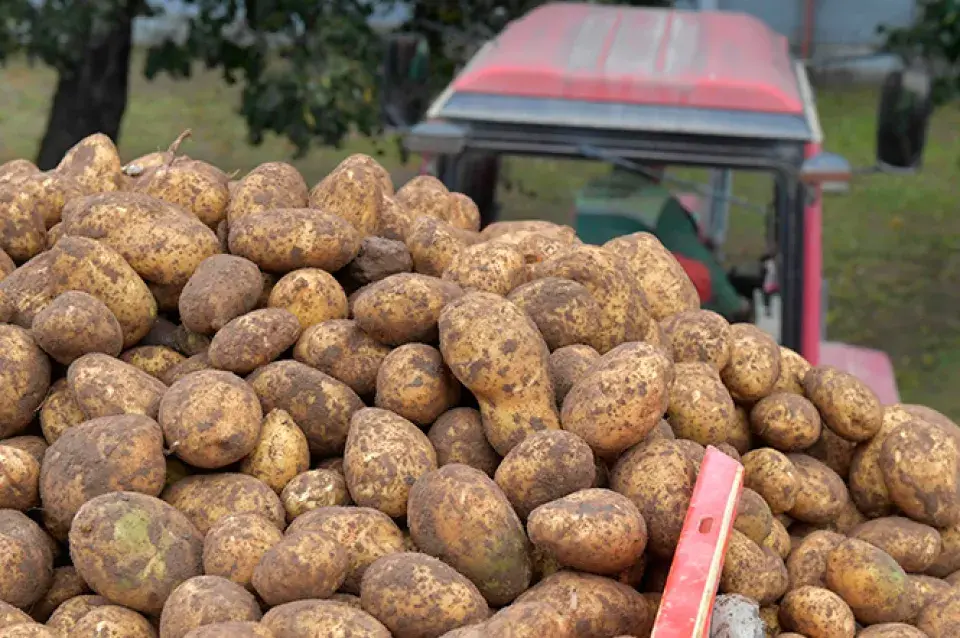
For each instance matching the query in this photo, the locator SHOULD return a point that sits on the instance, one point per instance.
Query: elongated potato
(59, 411)
(342, 350)
(308, 564)
(403, 308)
(94, 163)
(700, 407)
(487, 267)
(753, 571)
(206, 498)
(786, 421)
(698, 335)
(23, 233)
(269, 186)
(848, 406)
(754, 365)
(913, 545)
(104, 386)
(19, 479)
(222, 288)
(822, 494)
(280, 453)
(24, 377)
(354, 191)
(818, 613)
(870, 581)
(74, 324)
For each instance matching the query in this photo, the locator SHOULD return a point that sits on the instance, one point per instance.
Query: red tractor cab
(638, 87)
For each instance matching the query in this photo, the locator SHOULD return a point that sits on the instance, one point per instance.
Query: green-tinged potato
(210, 418)
(195, 186)
(418, 596)
(222, 288)
(385, 455)
(870, 581)
(305, 565)
(319, 404)
(772, 475)
(778, 539)
(568, 365)
(754, 365)
(269, 186)
(280, 453)
(70, 611)
(496, 351)
(786, 421)
(593, 530)
(134, 549)
(87, 265)
(65, 585)
(817, 613)
(154, 360)
(564, 310)
(235, 544)
(822, 494)
(449, 509)
(312, 295)
(545, 466)
(59, 411)
(948, 561)
(403, 308)
(616, 404)
(941, 618)
(847, 405)
(19, 479)
(104, 386)
(458, 437)
(23, 233)
(24, 377)
(312, 489)
(793, 370)
(311, 618)
(378, 258)
(488, 267)
(232, 629)
(920, 465)
(752, 571)
(892, 630)
(196, 363)
(94, 163)
(254, 340)
(593, 605)
(913, 545)
(354, 192)
(206, 498)
(700, 407)
(433, 244)
(339, 348)
(26, 560)
(526, 620)
(658, 476)
(754, 518)
(414, 382)
(698, 335)
(833, 451)
(204, 600)
(113, 621)
(108, 454)
(365, 533)
(27, 630)
(286, 239)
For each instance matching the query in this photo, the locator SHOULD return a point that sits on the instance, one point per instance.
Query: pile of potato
(249, 408)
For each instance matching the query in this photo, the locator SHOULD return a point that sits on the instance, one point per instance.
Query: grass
(891, 246)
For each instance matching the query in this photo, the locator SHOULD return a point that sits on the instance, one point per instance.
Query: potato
(592, 530)
(195, 363)
(620, 399)
(415, 596)
(754, 365)
(920, 464)
(924, 590)
(822, 494)
(104, 386)
(108, 454)
(222, 288)
(204, 600)
(433, 244)
(568, 365)
(403, 308)
(913, 545)
(312, 295)
(778, 539)
(199, 429)
(457, 437)
(366, 534)
(786, 421)
(870, 581)
(167, 296)
(286, 239)
(867, 487)
(154, 360)
(27, 630)
(6, 264)
(19, 479)
(754, 518)
(310, 618)
(206, 498)
(254, 340)
(116, 551)
(113, 620)
(232, 629)
(698, 335)
(74, 324)
(849, 518)
(892, 630)
(514, 393)
(488, 267)
(848, 406)
(234, 545)
(793, 369)
(818, 613)
(593, 605)
(66, 584)
(267, 187)
(70, 611)
(545, 466)
(354, 192)
(16, 169)
(319, 404)
(195, 186)
(700, 407)
(563, 310)
(339, 348)
(771, 474)
(527, 620)
(414, 382)
(395, 220)
(35, 446)
(179, 338)
(22, 230)
(308, 564)
(24, 377)
(424, 193)
(449, 508)
(87, 265)
(26, 560)
(833, 451)
(370, 163)
(666, 286)
(659, 478)
(312, 489)
(377, 259)
(385, 455)
(948, 561)
(941, 618)
(281, 451)
(752, 571)
(94, 163)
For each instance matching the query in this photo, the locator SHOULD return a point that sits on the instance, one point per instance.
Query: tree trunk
(91, 95)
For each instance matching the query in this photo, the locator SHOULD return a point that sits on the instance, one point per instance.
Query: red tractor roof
(640, 56)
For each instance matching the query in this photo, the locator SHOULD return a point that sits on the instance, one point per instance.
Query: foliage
(935, 37)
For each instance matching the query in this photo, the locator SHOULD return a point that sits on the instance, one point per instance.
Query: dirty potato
(65, 585)
(309, 618)
(231, 629)
(377, 259)
(807, 563)
(941, 619)
(312, 295)
(235, 544)
(568, 365)
(848, 406)
(70, 611)
(488, 267)
(94, 163)
(269, 186)
(104, 386)
(312, 489)
(786, 421)
(24, 377)
(26, 561)
(913, 545)
(354, 192)
(793, 370)
(870, 581)
(565, 312)
(433, 244)
(414, 382)
(204, 600)
(59, 411)
(458, 437)
(206, 498)
(157, 361)
(195, 186)
(754, 519)
(753, 571)
(254, 340)
(308, 564)
(222, 288)
(754, 365)
(700, 407)
(74, 324)
(833, 451)
(822, 494)
(818, 613)
(403, 308)
(19, 479)
(698, 335)
(35, 446)
(281, 451)
(342, 350)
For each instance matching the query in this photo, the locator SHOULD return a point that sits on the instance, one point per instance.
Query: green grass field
(892, 246)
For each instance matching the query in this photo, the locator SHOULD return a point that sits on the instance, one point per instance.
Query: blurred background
(297, 80)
